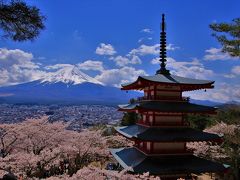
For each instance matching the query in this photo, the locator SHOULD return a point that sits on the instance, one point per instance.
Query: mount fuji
(68, 85)
(69, 75)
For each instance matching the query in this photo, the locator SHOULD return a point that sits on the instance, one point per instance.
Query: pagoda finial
(163, 50)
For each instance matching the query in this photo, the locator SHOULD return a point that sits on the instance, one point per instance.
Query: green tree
(228, 34)
(199, 121)
(19, 21)
(229, 114)
(129, 118)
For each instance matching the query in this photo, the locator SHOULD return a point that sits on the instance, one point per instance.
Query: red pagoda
(161, 134)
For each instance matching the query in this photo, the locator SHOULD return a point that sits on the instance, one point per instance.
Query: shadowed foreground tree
(232, 149)
(19, 21)
(227, 153)
(228, 34)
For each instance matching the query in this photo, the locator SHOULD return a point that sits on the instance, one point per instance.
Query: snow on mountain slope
(69, 75)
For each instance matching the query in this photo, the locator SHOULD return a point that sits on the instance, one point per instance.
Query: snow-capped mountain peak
(69, 75)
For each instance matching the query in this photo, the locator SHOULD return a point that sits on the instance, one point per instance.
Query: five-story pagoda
(160, 136)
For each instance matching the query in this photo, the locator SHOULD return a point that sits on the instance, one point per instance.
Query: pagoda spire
(163, 50)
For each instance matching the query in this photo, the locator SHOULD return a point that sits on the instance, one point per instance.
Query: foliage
(226, 122)
(228, 35)
(129, 118)
(199, 121)
(228, 152)
(19, 21)
(232, 149)
(109, 131)
(229, 114)
(231, 145)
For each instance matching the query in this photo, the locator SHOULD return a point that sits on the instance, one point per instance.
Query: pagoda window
(151, 119)
(144, 118)
(145, 93)
(148, 146)
(152, 93)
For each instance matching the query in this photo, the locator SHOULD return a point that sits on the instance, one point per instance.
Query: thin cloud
(192, 69)
(91, 65)
(116, 77)
(214, 54)
(144, 39)
(122, 60)
(147, 30)
(151, 49)
(105, 49)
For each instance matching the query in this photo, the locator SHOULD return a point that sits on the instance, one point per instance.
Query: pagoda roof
(166, 134)
(136, 161)
(186, 84)
(167, 106)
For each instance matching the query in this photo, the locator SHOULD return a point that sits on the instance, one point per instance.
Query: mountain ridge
(62, 93)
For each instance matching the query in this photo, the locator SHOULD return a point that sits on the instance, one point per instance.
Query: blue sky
(115, 41)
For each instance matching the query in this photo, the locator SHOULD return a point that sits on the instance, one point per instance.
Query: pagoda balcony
(164, 98)
(163, 152)
(147, 123)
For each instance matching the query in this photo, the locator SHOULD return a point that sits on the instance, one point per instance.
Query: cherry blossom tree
(37, 148)
(91, 172)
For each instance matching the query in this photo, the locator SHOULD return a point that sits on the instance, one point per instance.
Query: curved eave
(120, 161)
(133, 160)
(155, 134)
(119, 130)
(140, 83)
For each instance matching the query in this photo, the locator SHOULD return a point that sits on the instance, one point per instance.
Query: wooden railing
(184, 123)
(171, 98)
(182, 151)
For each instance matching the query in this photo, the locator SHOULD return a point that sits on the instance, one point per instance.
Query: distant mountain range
(70, 85)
